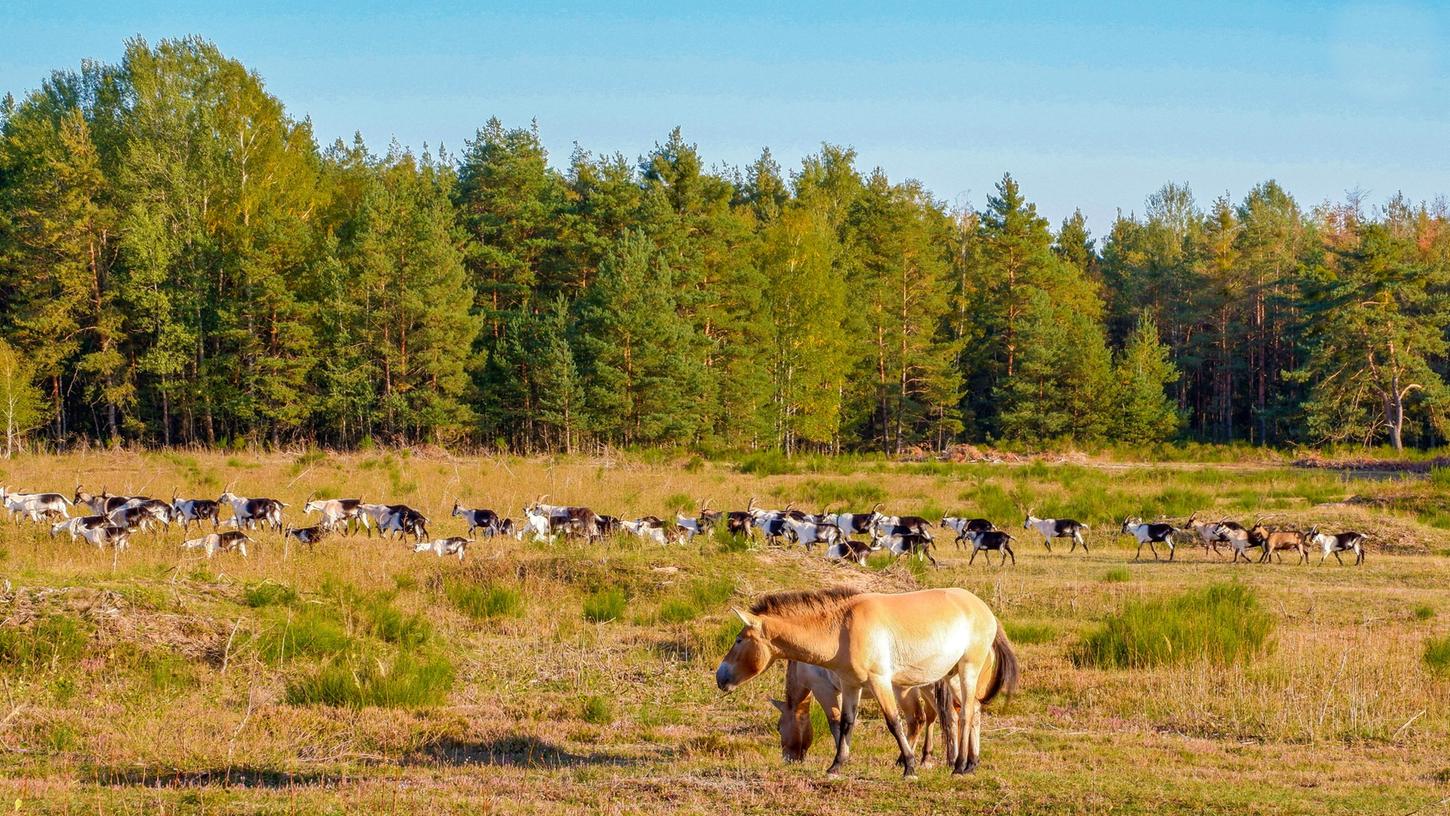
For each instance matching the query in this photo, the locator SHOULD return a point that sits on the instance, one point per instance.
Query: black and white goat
(1336, 543)
(1152, 533)
(846, 549)
(988, 540)
(101, 504)
(807, 532)
(35, 505)
(77, 525)
(225, 541)
(579, 521)
(195, 511)
(1057, 528)
(854, 523)
(647, 528)
(307, 535)
(251, 513)
(453, 545)
(477, 519)
(108, 535)
(964, 527)
(901, 541)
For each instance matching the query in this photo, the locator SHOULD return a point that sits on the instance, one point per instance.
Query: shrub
(597, 711)
(605, 605)
(1437, 655)
(1424, 612)
(269, 593)
(384, 621)
(681, 502)
(1117, 575)
(53, 640)
(308, 632)
(358, 680)
(856, 495)
(1222, 624)
(485, 601)
(765, 463)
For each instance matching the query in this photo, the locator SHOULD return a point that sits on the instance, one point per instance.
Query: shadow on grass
(237, 776)
(520, 751)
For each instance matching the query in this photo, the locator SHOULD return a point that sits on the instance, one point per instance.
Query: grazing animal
(772, 527)
(851, 550)
(251, 513)
(78, 525)
(854, 523)
(988, 540)
(107, 535)
(100, 504)
(804, 681)
(739, 522)
(886, 643)
(964, 527)
(580, 521)
(454, 545)
(903, 540)
(607, 525)
(649, 528)
(1237, 538)
(1336, 543)
(1151, 534)
(35, 505)
(195, 511)
(308, 535)
(485, 520)
(536, 525)
(225, 541)
(1057, 528)
(807, 532)
(689, 527)
(915, 524)
(1206, 531)
(1275, 542)
(348, 512)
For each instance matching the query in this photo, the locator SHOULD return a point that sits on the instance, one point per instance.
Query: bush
(485, 601)
(605, 605)
(858, 496)
(1117, 575)
(1222, 624)
(766, 463)
(307, 632)
(1437, 655)
(269, 593)
(676, 610)
(1424, 612)
(360, 680)
(1440, 477)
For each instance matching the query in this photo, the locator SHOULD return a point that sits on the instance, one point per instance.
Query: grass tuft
(604, 605)
(1437, 655)
(485, 601)
(361, 680)
(1221, 624)
(1117, 575)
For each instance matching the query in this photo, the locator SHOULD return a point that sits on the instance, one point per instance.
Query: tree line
(180, 263)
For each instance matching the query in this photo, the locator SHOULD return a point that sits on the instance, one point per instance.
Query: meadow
(359, 677)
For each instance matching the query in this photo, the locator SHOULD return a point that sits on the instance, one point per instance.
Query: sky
(1088, 108)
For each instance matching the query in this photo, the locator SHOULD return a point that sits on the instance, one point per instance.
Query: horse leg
(850, 701)
(967, 684)
(944, 713)
(975, 745)
(885, 695)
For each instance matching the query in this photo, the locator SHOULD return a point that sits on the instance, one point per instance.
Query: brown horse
(804, 681)
(887, 643)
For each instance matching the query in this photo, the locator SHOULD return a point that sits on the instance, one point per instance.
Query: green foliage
(604, 605)
(1219, 624)
(359, 680)
(484, 601)
(1027, 633)
(51, 641)
(1142, 371)
(766, 463)
(1117, 575)
(269, 593)
(1437, 655)
(858, 495)
(597, 710)
(20, 401)
(1423, 612)
(308, 631)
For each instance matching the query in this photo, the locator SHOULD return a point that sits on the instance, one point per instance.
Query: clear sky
(1087, 108)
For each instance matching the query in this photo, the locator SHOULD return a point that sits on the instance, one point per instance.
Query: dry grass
(580, 680)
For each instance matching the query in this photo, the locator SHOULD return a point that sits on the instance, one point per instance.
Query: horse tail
(1005, 674)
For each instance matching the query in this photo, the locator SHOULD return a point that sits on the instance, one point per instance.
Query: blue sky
(1087, 108)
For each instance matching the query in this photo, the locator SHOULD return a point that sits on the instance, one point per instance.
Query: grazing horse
(887, 643)
(804, 681)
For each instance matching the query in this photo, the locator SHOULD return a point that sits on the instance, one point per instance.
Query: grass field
(361, 678)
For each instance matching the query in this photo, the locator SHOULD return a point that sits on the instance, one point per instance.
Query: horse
(887, 643)
(804, 681)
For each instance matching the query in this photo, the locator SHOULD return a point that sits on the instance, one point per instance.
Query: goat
(848, 550)
(1151, 533)
(35, 505)
(1275, 541)
(988, 540)
(915, 524)
(964, 527)
(307, 535)
(1336, 543)
(1057, 528)
(348, 511)
(454, 545)
(808, 532)
(220, 542)
(902, 540)
(1207, 532)
(189, 511)
(99, 504)
(690, 527)
(1234, 534)
(252, 512)
(854, 523)
(77, 525)
(108, 534)
(606, 526)
(485, 520)
(772, 527)
(580, 520)
(536, 524)
(649, 528)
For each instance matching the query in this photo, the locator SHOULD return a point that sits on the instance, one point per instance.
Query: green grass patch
(1027, 632)
(1423, 612)
(360, 680)
(310, 631)
(1437, 655)
(765, 463)
(53, 641)
(597, 710)
(1221, 624)
(605, 605)
(858, 494)
(1117, 575)
(269, 593)
(485, 601)
(1440, 477)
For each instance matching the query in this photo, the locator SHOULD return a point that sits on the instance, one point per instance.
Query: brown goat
(1276, 541)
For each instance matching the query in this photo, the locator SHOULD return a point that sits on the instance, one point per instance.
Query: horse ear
(745, 617)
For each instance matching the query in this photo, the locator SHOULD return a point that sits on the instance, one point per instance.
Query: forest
(182, 263)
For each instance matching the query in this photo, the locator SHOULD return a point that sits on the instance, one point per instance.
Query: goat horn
(705, 505)
(876, 507)
(750, 505)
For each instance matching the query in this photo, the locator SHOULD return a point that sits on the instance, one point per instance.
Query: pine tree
(1063, 388)
(1145, 413)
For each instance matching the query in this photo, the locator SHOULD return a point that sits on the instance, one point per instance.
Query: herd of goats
(113, 519)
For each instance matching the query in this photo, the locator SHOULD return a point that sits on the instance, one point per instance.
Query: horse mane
(804, 603)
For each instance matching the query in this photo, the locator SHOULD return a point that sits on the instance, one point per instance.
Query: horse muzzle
(724, 681)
